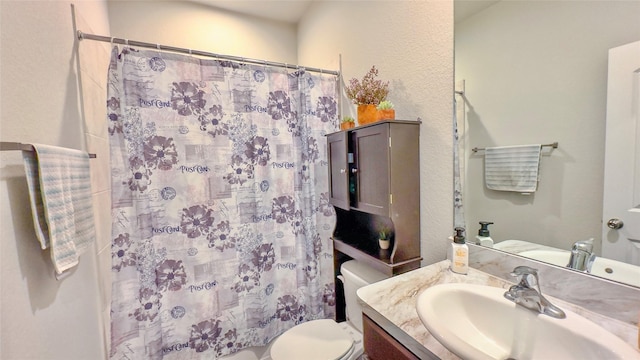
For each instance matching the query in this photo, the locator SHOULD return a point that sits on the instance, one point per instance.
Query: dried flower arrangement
(368, 90)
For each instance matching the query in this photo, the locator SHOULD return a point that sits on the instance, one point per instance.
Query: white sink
(603, 267)
(477, 322)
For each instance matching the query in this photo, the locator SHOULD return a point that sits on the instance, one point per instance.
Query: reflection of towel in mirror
(61, 204)
(512, 168)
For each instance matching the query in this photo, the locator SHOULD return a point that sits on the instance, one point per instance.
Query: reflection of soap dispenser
(459, 253)
(483, 237)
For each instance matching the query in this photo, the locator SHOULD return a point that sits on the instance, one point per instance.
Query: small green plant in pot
(386, 110)
(384, 237)
(347, 123)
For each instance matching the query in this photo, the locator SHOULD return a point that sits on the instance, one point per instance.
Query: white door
(621, 207)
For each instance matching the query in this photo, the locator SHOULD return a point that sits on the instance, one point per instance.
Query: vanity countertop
(391, 304)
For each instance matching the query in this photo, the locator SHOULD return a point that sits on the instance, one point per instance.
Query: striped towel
(512, 168)
(60, 194)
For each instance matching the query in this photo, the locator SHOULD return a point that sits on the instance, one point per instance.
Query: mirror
(535, 72)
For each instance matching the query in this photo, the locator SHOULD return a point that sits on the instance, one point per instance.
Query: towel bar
(4, 145)
(553, 145)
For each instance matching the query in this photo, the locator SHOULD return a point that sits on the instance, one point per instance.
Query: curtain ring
(126, 42)
(112, 41)
(159, 48)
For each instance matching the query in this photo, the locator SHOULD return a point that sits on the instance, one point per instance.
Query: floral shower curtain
(458, 170)
(221, 219)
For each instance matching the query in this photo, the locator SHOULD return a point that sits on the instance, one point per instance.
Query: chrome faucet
(582, 255)
(528, 295)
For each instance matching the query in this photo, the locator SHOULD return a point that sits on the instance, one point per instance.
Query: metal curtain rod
(83, 36)
(553, 145)
(5, 145)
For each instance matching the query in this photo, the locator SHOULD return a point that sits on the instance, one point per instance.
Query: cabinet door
(378, 345)
(338, 179)
(371, 147)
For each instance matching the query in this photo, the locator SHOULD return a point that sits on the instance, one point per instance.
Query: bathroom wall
(51, 96)
(192, 25)
(536, 72)
(40, 317)
(410, 43)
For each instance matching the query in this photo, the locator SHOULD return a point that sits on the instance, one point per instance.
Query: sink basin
(477, 322)
(603, 267)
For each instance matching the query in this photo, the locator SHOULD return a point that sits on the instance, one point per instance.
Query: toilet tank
(356, 275)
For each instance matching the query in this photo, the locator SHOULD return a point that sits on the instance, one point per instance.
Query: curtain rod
(83, 36)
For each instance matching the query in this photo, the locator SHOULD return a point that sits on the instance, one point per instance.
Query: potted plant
(384, 237)
(347, 123)
(367, 94)
(386, 110)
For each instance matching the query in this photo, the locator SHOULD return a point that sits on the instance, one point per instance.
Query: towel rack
(553, 145)
(5, 145)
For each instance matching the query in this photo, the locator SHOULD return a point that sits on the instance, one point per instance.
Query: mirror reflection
(536, 73)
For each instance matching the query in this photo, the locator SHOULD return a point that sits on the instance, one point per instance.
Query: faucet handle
(527, 276)
(524, 270)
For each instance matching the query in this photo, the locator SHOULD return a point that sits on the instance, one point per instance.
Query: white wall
(410, 42)
(191, 25)
(536, 72)
(45, 99)
(40, 317)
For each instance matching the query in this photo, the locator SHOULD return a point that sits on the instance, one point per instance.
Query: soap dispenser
(483, 238)
(459, 253)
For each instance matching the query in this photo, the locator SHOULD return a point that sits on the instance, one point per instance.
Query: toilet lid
(318, 339)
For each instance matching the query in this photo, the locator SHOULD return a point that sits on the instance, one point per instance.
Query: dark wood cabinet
(379, 345)
(375, 180)
(371, 170)
(338, 173)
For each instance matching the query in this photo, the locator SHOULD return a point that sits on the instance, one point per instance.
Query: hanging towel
(512, 168)
(60, 194)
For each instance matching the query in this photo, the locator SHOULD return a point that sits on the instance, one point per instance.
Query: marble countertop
(391, 304)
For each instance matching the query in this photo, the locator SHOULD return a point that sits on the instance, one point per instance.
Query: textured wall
(40, 317)
(191, 25)
(536, 72)
(411, 43)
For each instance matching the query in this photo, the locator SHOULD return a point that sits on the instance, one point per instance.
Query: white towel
(60, 194)
(512, 168)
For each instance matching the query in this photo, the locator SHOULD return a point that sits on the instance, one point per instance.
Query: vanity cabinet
(374, 179)
(379, 345)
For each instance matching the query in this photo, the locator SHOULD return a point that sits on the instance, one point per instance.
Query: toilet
(323, 339)
(326, 339)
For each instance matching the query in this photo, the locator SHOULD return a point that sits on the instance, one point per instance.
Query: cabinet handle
(342, 171)
(354, 170)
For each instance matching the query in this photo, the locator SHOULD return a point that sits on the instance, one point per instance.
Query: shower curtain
(458, 169)
(221, 218)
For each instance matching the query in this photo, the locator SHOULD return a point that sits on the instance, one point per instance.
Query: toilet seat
(314, 340)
